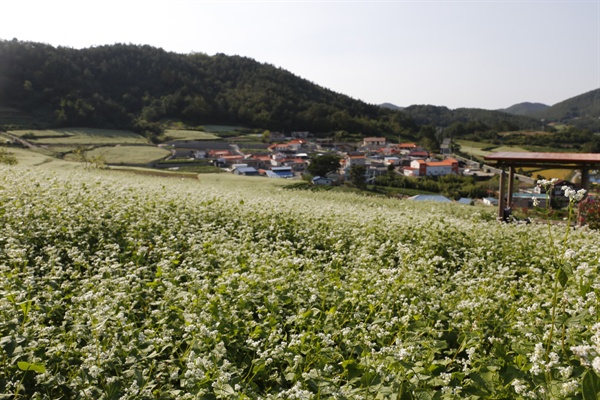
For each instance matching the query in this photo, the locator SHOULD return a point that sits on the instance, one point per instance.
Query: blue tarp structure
(431, 197)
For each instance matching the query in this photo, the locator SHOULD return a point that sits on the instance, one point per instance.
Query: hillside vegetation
(139, 87)
(129, 86)
(582, 111)
(525, 108)
(118, 286)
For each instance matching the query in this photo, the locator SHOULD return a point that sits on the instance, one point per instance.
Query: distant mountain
(479, 119)
(391, 106)
(583, 111)
(525, 108)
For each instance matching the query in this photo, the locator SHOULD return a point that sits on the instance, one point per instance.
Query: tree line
(140, 87)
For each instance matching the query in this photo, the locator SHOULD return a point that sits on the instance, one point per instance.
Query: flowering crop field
(115, 286)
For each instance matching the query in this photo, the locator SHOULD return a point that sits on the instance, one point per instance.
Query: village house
(352, 159)
(321, 180)
(276, 136)
(525, 200)
(445, 149)
(418, 154)
(281, 147)
(325, 144)
(280, 172)
(355, 159)
(370, 142)
(404, 148)
(258, 160)
(244, 169)
(557, 190)
(228, 161)
(296, 144)
(391, 161)
(432, 168)
(218, 153)
(297, 164)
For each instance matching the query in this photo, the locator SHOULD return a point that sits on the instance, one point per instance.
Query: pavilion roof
(525, 159)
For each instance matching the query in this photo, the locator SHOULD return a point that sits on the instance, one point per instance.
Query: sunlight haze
(481, 54)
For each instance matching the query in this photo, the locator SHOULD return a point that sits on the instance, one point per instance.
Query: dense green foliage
(128, 86)
(485, 119)
(322, 164)
(452, 186)
(582, 111)
(492, 126)
(121, 287)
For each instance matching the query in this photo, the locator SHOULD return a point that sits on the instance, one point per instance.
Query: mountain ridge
(140, 87)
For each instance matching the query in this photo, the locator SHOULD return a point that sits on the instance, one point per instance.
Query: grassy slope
(183, 134)
(129, 154)
(80, 136)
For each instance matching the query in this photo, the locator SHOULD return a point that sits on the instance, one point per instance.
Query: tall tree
(321, 165)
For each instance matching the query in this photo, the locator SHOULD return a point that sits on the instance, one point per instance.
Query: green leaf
(226, 390)
(590, 386)
(562, 277)
(27, 366)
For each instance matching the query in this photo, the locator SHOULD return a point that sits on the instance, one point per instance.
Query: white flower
(568, 387)
(573, 195)
(596, 365)
(569, 253)
(519, 387)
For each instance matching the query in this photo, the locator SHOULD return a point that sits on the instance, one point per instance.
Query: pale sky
(482, 54)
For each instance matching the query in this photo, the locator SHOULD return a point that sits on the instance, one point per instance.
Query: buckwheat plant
(563, 257)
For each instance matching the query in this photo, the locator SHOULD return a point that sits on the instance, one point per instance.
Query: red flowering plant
(589, 213)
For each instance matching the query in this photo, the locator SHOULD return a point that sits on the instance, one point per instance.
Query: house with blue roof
(280, 172)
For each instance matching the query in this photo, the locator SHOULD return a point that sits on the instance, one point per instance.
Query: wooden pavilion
(508, 160)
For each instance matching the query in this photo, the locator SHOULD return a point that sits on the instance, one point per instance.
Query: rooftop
(515, 158)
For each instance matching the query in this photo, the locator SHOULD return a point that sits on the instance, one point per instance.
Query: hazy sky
(484, 54)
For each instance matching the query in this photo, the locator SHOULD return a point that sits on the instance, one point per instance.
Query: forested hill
(582, 111)
(525, 108)
(485, 119)
(139, 87)
(125, 86)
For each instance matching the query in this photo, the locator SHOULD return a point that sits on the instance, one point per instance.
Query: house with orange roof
(432, 168)
(258, 161)
(296, 144)
(404, 148)
(297, 164)
(218, 153)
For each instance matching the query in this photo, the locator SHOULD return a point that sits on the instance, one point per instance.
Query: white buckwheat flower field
(118, 286)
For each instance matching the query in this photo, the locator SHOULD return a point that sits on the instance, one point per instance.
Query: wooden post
(502, 195)
(585, 179)
(511, 179)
